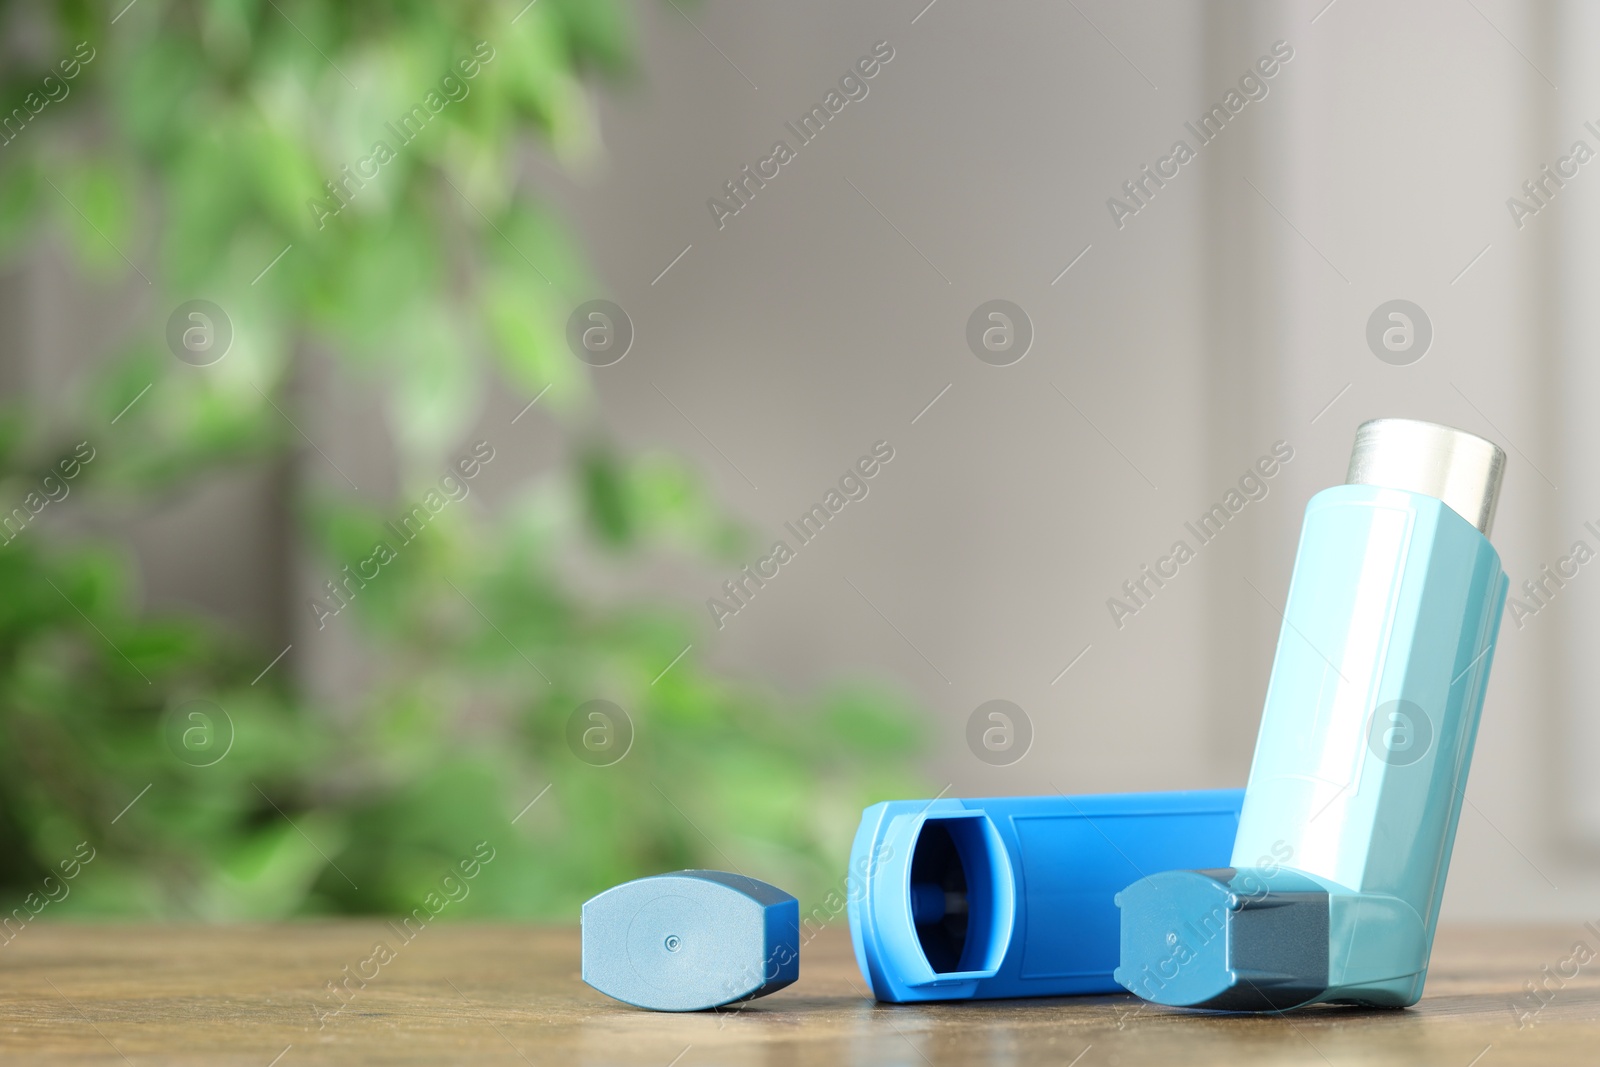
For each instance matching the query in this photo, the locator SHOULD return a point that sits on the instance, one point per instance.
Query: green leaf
(98, 212)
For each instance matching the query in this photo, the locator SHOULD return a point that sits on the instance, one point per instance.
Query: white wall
(808, 328)
(1213, 324)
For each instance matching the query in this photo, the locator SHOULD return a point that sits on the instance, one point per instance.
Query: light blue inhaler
(1013, 896)
(1350, 814)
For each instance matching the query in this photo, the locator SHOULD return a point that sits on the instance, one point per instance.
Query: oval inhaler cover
(691, 940)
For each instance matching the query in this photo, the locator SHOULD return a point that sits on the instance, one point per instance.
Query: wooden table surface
(511, 995)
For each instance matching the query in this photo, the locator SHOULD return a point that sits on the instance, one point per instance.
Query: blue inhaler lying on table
(1013, 896)
(1333, 891)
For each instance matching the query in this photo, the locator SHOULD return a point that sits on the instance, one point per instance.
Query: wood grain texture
(511, 995)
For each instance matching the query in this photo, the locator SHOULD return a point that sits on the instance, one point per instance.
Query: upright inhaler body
(1357, 784)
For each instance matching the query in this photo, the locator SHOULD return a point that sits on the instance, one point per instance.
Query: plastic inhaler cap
(1227, 939)
(1454, 466)
(691, 940)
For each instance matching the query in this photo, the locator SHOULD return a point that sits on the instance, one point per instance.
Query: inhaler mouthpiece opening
(1457, 467)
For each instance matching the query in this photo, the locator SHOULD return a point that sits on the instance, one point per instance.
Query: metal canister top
(1457, 467)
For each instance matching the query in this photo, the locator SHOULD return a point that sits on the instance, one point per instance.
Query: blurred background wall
(1169, 354)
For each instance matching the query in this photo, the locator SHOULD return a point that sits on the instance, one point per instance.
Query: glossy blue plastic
(690, 940)
(1356, 788)
(1013, 896)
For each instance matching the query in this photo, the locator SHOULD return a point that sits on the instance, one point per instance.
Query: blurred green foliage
(186, 150)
